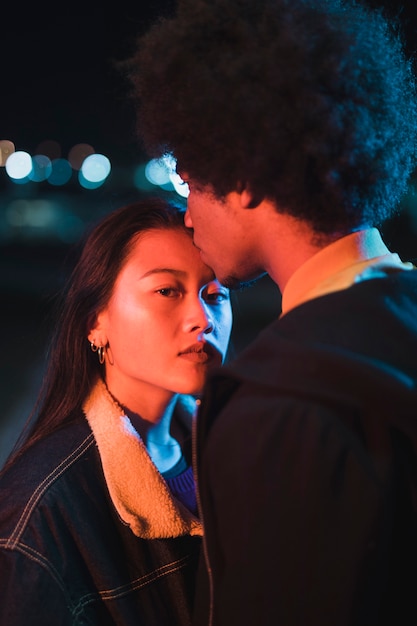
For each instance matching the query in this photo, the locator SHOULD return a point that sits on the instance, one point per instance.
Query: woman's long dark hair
(72, 368)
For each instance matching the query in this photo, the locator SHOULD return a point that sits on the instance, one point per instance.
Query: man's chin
(230, 281)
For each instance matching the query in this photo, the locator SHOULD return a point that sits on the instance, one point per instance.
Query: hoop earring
(101, 352)
(109, 354)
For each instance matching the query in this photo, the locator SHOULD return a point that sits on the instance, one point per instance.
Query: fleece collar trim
(138, 491)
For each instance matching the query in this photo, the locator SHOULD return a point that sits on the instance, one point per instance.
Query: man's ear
(248, 200)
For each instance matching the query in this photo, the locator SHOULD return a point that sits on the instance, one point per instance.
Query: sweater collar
(138, 491)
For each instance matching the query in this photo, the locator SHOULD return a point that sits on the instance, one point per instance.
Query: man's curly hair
(309, 103)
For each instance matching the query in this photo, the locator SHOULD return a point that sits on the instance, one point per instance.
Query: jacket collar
(304, 355)
(138, 491)
(339, 265)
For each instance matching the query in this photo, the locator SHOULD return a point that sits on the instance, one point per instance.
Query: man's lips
(196, 246)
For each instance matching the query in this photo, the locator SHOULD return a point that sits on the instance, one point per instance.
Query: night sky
(58, 75)
(59, 79)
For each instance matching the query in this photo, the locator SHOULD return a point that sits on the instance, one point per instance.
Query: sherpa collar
(137, 489)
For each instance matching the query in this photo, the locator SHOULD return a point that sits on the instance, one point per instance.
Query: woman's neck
(158, 430)
(163, 448)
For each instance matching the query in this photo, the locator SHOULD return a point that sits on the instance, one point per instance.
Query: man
(294, 124)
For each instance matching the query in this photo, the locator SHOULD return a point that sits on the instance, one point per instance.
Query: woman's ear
(96, 330)
(92, 337)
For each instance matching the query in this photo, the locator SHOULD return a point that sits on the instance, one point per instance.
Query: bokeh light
(180, 186)
(157, 172)
(91, 169)
(49, 148)
(40, 218)
(41, 168)
(78, 154)
(61, 172)
(6, 149)
(94, 171)
(19, 166)
(162, 172)
(140, 179)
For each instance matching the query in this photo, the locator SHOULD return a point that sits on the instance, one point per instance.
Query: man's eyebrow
(164, 270)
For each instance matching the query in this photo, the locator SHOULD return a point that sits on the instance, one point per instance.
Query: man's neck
(287, 244)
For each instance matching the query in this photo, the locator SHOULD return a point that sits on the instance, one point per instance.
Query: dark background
(60, 81)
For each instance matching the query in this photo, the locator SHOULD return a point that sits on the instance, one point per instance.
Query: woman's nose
(200, 319)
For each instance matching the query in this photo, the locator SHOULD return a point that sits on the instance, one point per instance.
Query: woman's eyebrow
(165, 270)
(174, 272)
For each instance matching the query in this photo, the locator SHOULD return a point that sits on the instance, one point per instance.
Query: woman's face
(168, 320)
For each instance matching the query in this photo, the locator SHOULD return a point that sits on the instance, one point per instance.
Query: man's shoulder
(349, 345)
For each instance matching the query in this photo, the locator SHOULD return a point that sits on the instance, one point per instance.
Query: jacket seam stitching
(134, 585)
(37, 557)
(43, 486)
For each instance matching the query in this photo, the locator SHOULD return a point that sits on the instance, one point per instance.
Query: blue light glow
(41, 168)
(61, 172)
(95, 168)
(140, 180)
(180, 186)
(162, 172)
(88, 184)
(157, 172)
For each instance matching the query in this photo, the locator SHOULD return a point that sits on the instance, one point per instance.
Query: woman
(98, 521)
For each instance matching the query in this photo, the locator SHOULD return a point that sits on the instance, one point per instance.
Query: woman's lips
(199, 353)
(196, 357)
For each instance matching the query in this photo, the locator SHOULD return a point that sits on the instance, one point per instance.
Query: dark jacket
(69, 555)
(307, 465)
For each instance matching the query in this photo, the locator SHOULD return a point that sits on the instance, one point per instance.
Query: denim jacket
(89, 532)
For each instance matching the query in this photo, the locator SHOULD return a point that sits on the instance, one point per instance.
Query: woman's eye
(168, 292)
(216, 297)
